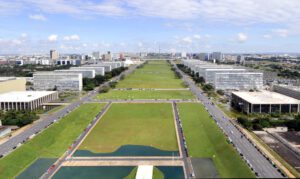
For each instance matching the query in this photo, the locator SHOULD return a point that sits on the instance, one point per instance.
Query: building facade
(85, 73)
(238, 81)
(57, 81)
(98, 70)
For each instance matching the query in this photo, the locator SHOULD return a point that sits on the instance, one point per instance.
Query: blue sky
(81, 26)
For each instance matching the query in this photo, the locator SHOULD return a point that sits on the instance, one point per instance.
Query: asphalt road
(254, 158)
(40, 125)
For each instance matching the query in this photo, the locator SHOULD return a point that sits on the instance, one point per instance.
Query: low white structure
(264, 102)
(144, 172)
(85, 73)
(26, 100)
(59, 81)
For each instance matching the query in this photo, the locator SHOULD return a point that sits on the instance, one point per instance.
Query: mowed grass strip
(155, 74)
(51, 143)
(205, 139)
(146, 94)
(133, 124)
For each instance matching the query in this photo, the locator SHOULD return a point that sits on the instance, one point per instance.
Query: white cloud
(52, 38)
(24, 35)
(187, 40)
(281, 32)
(267, 36)
(241, 37)
(71, 38)
(38, 17)
(196, 36)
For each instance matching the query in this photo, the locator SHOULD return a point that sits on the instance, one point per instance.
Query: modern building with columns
(26, 100)
(264, 102)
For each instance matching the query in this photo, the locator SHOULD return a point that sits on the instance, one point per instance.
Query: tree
(104, 89)
(220, 92)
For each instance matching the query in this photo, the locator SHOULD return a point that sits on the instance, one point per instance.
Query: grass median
(146, 94)
(155, 74)
(133, 124)
(51, 143)
(205, 140)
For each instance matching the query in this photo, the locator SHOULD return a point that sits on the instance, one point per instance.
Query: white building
(264, 102)
(59, 81)
(26, 100)
(90, 73)
(98, 69)
(238, 81)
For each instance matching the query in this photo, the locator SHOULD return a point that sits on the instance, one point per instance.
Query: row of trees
(260, 123)
(18, 118)
(89, 84)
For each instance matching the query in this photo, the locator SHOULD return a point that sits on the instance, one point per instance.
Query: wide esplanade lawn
(51, 143)
(205, 139)
(133, 124)
(155, 74)
(146, 94)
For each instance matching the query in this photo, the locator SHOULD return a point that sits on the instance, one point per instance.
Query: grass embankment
(133, 124)
(155, 74)
(205, 139)
(146, 94)
(51, 143)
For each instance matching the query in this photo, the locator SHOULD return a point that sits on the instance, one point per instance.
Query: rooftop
(2, 79)
(24, 96)
(266, 97)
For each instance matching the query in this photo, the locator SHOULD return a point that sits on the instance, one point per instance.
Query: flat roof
(2, 79)
(265, 97)
(24, 96)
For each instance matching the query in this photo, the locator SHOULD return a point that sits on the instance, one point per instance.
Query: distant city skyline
(230, 26)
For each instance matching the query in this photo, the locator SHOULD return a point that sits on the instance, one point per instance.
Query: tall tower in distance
(54, 55)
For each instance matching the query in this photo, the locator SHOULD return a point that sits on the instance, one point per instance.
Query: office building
(107, 56)
(98, 69)
(209, 74)
(26, 100)
(107, 67)
(238, 81)
(96, 55)
(89, 73)
(8, 84)
(58, 81)
(204, 56)
(54, 55)
(264, 102)
(216, 56)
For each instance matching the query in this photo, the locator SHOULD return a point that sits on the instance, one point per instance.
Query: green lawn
(155, 74)
(147, 94)
(205, 139)
(133, 124)
(51, 143)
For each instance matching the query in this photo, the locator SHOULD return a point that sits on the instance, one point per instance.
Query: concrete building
(8, 84)
(291, 91)
(204, 56)
(54, 55)
(26, 100)
(264, 102)
(96, 55)
(217, 56)
(59, 81)
(98, 69)
(209, 74)
(238, 81)
(107, 67)
(85, 73)
(107, 56)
